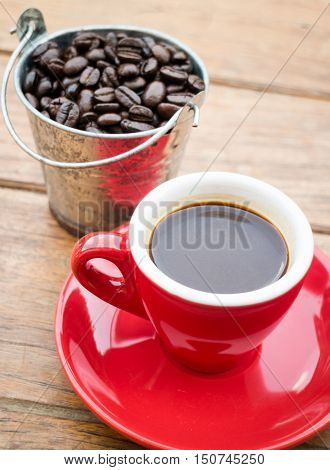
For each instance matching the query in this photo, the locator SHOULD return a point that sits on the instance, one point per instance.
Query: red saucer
(116, 365)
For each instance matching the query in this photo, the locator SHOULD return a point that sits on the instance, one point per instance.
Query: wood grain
(33, 238)
(321, 441)
(242, 42)
(51, 427)
(283, 140)
(281, 137)
(16, 165)
(55, 428)
(34, 394)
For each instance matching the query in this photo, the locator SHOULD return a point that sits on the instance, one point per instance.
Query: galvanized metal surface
(103, 193)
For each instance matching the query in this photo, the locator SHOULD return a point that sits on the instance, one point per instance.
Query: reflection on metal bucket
(85, 192)
(102, 197)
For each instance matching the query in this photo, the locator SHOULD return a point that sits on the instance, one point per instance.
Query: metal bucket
(94, 181)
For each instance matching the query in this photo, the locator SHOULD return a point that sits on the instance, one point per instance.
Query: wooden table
(281, 135)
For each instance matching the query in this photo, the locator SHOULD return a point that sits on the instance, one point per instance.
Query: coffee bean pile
(113, 84)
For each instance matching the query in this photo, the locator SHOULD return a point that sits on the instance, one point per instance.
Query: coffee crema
(220, 248)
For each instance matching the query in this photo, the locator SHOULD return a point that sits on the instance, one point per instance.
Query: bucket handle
(3, 99)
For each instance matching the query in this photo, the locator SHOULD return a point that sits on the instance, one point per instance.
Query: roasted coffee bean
(156, 120)
(75, 65)
(180, 98)
(103, 108)
(45, 101)
(95, 43)
(166, 110)
(195, 83)
(102, 64)
(95, 54)
(91, 124)
(104, 95)
(114, 130)
(129, 50)
(146, 52)
(111, 55)
(100, 37)
(161, 53)
(56, 87)
(40, 72)
(32, 99)
(68, 114)
(49, 55)
(85, 100)
(128, 42)
(126, 96)
(90, 76)
(140, 79)
(70, 52)
(40, 50)
(150, 42)
(135, 84)
(172, 75)
(56, 67)
(109, 77)
(129, 56)
(87, 118)
(154, 94)
(149, 67)
(72, 90)
(174, 88)
(186, 66)
(31, 81)
(68, 80)
(135, 126)
(93, 128)
(44, 87)
(45, 113)
(140, 113)
(172, 49)
(111, 39)
(82, 36)
(87, 40)
(128, 71)
(124, 114)
(55, 105)
(109, 119)
(179, 57)
(121, 35)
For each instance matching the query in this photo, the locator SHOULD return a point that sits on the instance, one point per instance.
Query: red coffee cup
(208, 332)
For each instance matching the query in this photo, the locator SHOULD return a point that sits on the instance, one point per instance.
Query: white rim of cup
(222, 185)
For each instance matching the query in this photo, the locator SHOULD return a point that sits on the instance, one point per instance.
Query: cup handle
(110, 247)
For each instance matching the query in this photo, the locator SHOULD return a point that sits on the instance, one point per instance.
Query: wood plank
(285, 141)
(321, 441)
(39, 430)
(27, 335)
(42, 431)
(246, 42)
(16, 165)
(34, 255)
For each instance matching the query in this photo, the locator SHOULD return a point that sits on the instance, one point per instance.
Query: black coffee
(219, 248)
